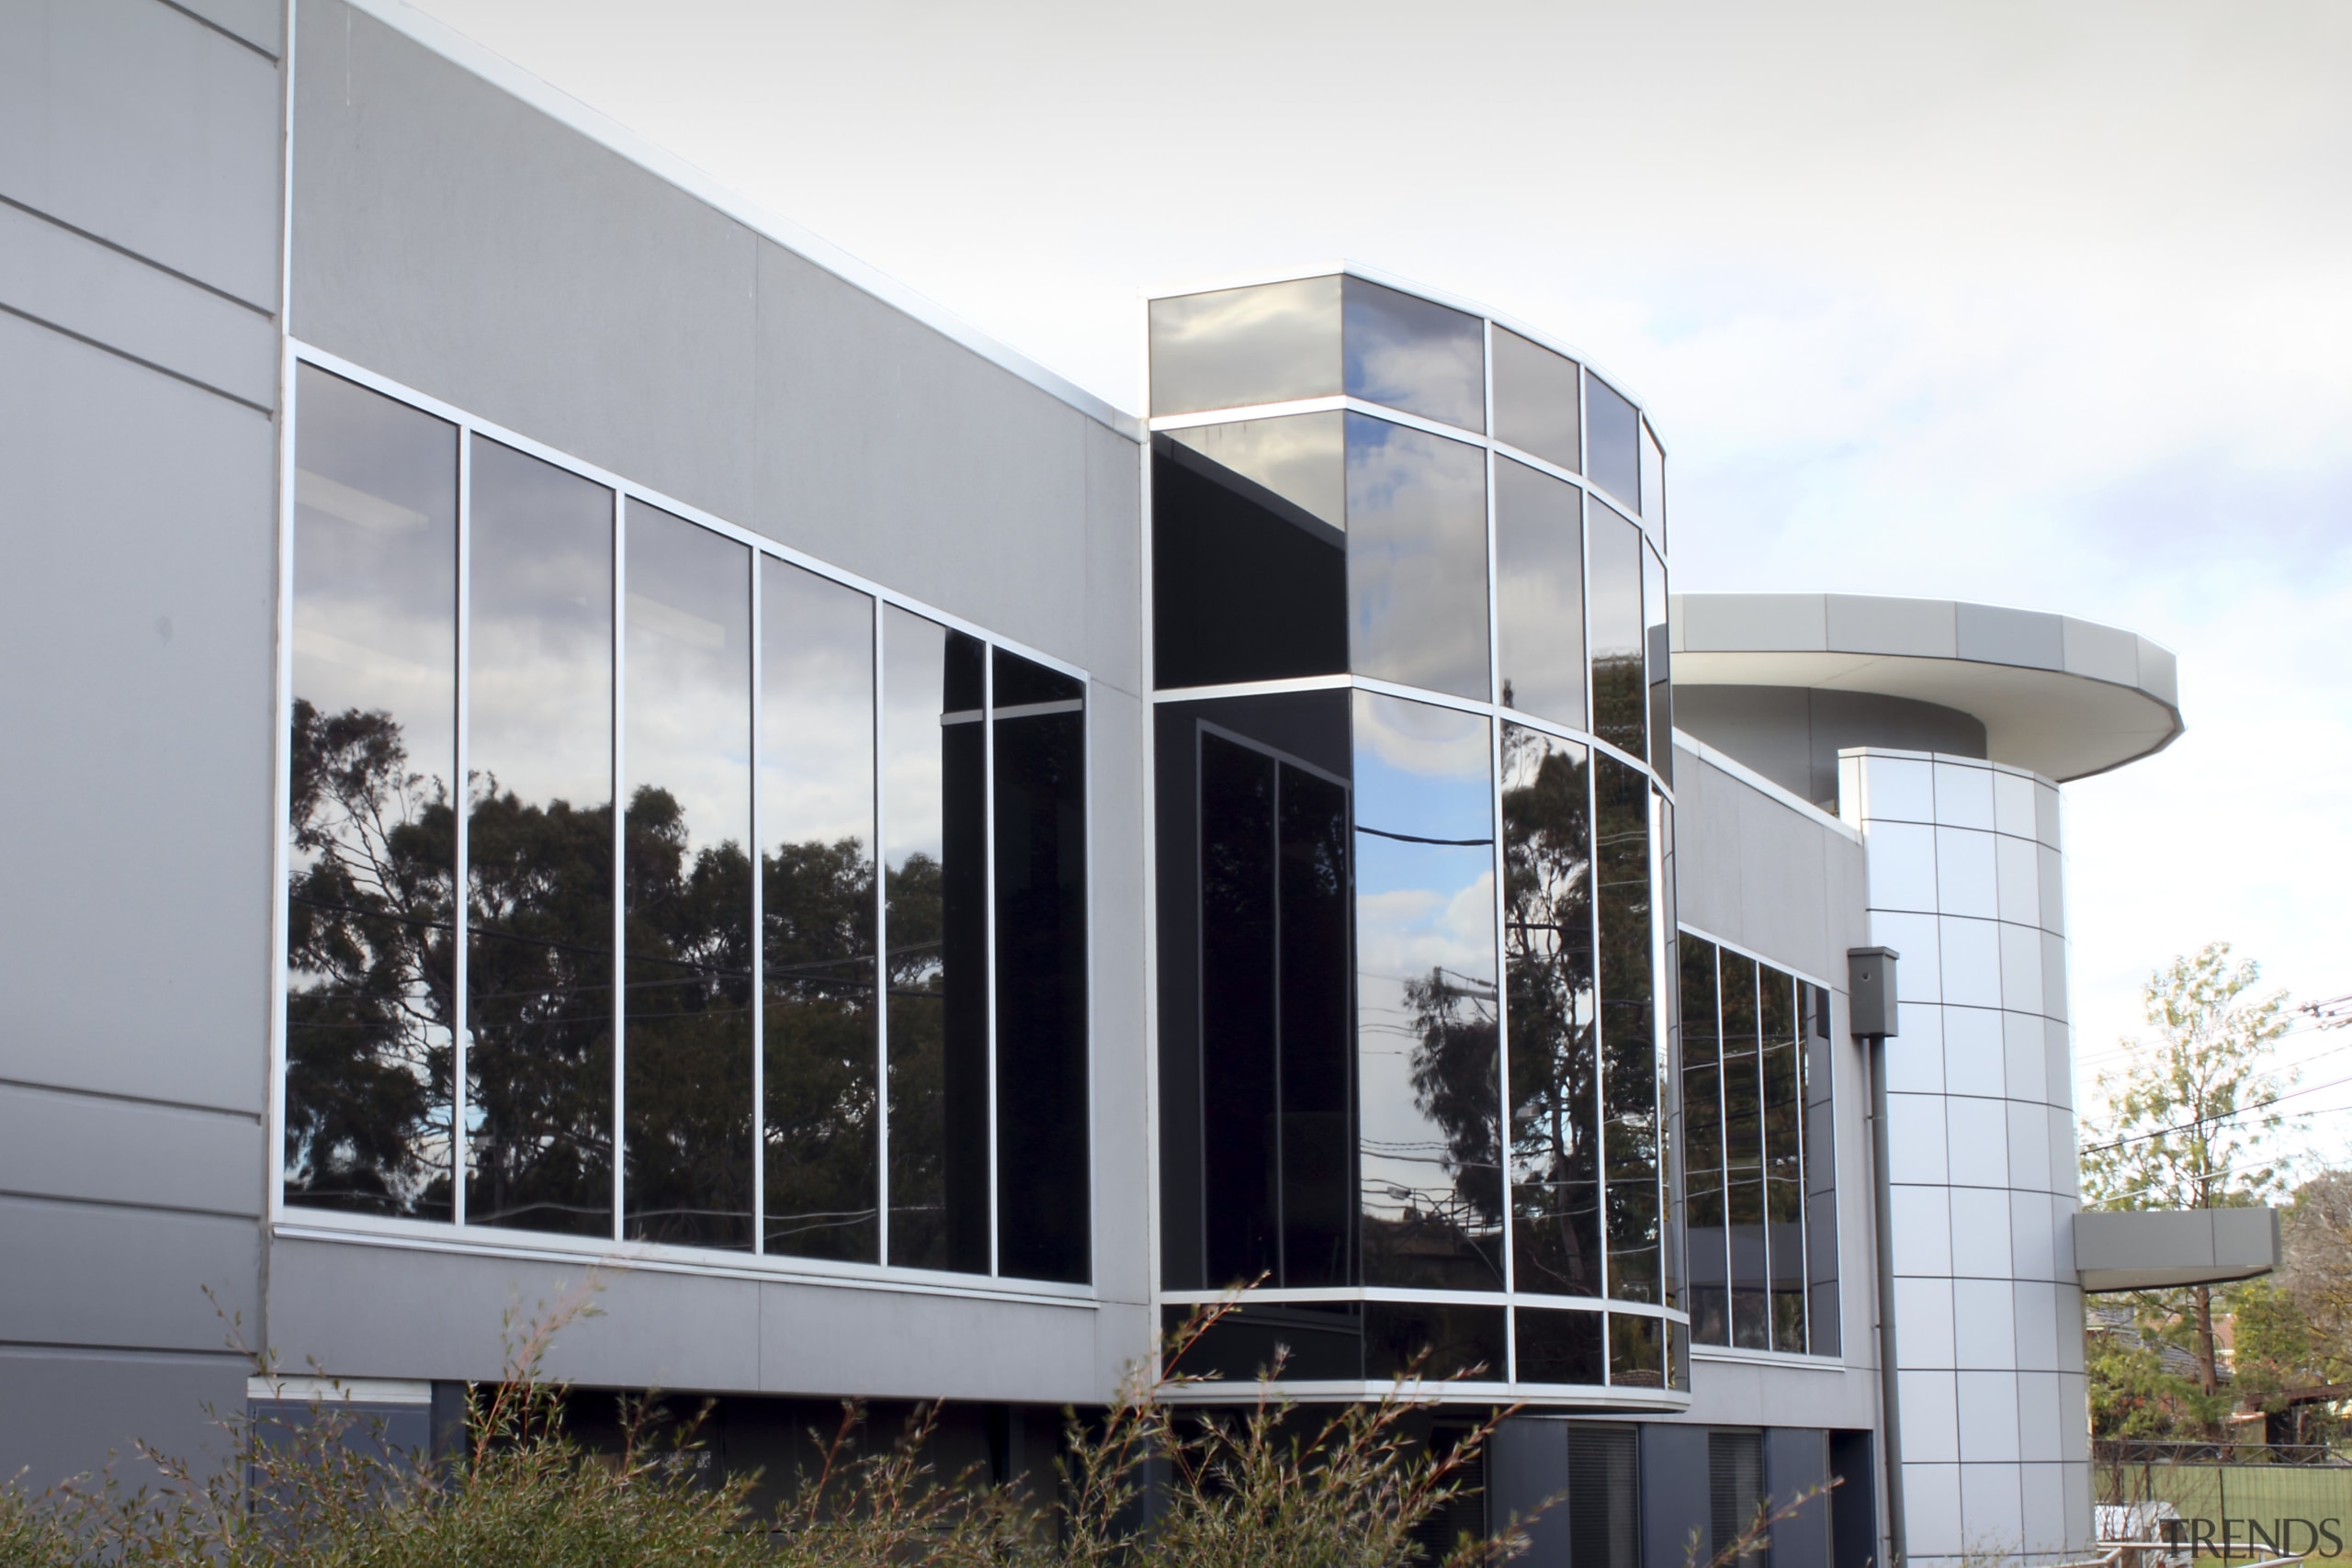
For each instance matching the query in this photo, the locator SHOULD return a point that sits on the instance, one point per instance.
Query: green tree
(2189, 1121)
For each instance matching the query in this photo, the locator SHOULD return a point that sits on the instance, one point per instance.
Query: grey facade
(204, 206)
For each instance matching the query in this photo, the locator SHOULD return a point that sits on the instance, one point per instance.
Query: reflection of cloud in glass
(1417, 558)
(690, 674)
(913, 655)
(1239, 346)
(1298, 457)
(1412, 355)
(1421, 769)
(817, 709)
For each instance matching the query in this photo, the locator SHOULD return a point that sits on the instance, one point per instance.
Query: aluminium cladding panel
(136, 122)
(452, 237)
(86, 1406)
(1751, 1389)
(135, 616)
(370, 1310)
(1755, 871)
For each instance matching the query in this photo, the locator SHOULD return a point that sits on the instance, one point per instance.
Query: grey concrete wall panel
(104, 1150)
(1527, 1467)
(1921, 627)
(1674, 1495)
(893, 452)
(69, 281)
(135, 616)
(131, 1277)
(1796, 1460)
(2149, 1249)
(451, 237)
(1768, 727)
(1993, 635)
(139, 124)
(1764, 873)
(1735, 1391)
(260, 23)
(2103, 653)
(1114, 558)
(92, 1406)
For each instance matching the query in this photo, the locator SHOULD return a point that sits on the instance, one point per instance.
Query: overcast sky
(2043, 304)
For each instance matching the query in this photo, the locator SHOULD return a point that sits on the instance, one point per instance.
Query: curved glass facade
(1418, 993)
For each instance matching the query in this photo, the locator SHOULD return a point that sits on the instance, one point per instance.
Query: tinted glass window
(1430, 1099)
(687, 1039)
(1636, 1351)
(1654, 645)
(1612, 430)
(1560, 1347)
(1554, 1063)
(1628, 1041)
(1783, 1156)
(1417, 558)
(539, 849)
(1248, 584)
(1703, 1148)
(1240, 1058)
(1613, 601)
(1433, 1340)
(1822, 1335)
(1414, 355)
(935, 937)
(371, 840)
(1539, 586)
(1744, 1156)
(1237, 347)
(1300, 460)
(1041, 1217)
(1313, 1341)
(1535, 401)
(1653, 484)
(817, 915)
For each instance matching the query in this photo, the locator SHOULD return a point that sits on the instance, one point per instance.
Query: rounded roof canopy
(2063, 697)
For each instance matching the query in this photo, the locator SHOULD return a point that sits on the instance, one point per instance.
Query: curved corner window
(1237, 347)
(1539, 589)
(1417, 558)
(1537, 407)
(1415, 355)
(1612, 443)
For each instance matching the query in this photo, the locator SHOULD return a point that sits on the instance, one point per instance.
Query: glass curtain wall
(1761, 1204)
(820, 990)
(1415, 997)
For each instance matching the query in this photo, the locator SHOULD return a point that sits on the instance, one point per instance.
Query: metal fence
(2246, 1501)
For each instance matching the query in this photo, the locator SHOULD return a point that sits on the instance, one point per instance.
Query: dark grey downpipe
(1870, 992)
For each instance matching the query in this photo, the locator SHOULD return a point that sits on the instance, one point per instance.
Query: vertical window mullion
(621, 863)
(881, 952)
(1600, 1107)
(759, 926)
(988, 904)
(461, 905)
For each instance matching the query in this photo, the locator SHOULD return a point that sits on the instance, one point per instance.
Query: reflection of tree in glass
(369, 970)
(819, 910)
(1628, 1040)
(1452, 1244)
(688, 1046)
(1547, 957)
(539, 1013)
(916, 892)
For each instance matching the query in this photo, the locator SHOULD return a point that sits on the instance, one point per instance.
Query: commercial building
(563, 731)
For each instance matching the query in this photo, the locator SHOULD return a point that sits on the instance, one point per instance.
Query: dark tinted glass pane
(1702, 1145)
(1628, 1039)
(1653, 484)
(1310, 1341)
(1535, 401)
(539, 849)
(935, 937)
(1318, 1137)
(1654, 646)
(1247, 584)
(1555, 1064)
(1636, 1351)
(1241, 1112)
(1612, 430)
(1539, 583)
(1560, 1347)
(1433, 1340)
(1298, 461)
(371, 846)
(1613, 610)
(1744, 1155)
(1415, 356)
(1783, 1158)
(1430, 1099)
(1822, 1335)
(1042, 1166)
(1604, 1498)
(1417, 558)
(1240, 346)
(818, 915)
(687, 1039)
